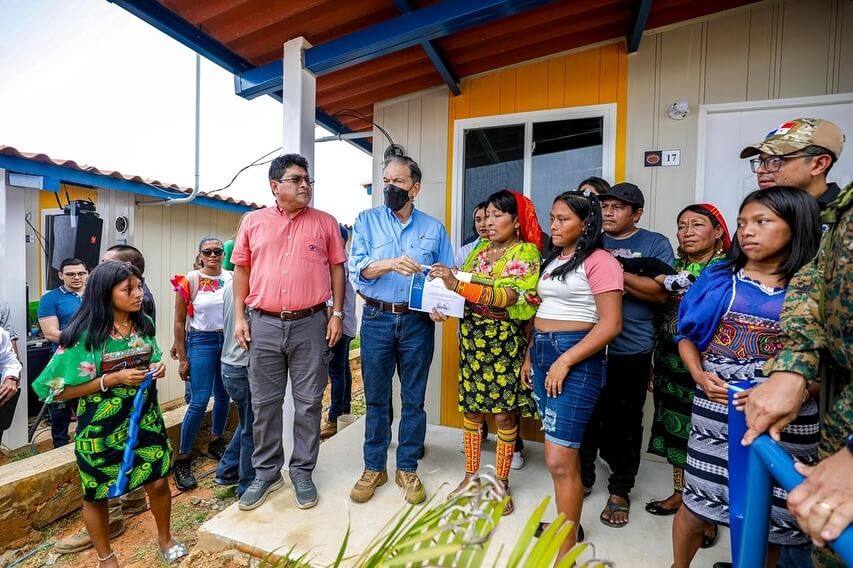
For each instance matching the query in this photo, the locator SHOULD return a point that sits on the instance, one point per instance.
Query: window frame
(607, 112)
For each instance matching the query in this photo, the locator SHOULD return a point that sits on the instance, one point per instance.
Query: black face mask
(395, 197)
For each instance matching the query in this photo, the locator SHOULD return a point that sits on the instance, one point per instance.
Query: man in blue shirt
(56, 309)
(390, 244)
(616, 427)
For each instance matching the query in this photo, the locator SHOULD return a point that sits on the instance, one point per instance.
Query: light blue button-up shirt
(379, 235)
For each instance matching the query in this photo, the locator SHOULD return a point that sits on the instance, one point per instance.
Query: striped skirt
(706, 491)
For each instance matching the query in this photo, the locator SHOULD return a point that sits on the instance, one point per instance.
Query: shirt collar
(282, 213)
(65, 290)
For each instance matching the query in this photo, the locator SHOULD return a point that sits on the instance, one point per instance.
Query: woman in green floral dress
(104, 355)
(703, 239)
(499, 300)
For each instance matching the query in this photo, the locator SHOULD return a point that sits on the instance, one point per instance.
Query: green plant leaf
(523, 542)
(342, 550)
(572, 556)
(428, 554)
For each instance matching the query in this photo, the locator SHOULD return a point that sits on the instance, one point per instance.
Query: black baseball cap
(627, 192)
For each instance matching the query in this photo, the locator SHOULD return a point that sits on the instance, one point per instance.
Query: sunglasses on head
(212, 252)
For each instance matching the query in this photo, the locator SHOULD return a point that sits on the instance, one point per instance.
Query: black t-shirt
(831, 193)
(148, 307)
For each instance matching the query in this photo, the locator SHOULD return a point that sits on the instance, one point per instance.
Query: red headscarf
(529, 228)
(727, 240)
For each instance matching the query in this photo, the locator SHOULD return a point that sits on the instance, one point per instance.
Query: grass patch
(225, 493)
(355, 343)
(186, 518)
(144, 552)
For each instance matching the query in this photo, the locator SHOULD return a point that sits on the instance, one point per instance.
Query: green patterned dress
(103, 418)
(492, 350)
(673, 386)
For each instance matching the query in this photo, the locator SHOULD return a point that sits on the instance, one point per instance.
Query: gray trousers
(279, 348)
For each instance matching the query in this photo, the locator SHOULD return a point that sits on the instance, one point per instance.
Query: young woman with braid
(499, 299)
(581, 312)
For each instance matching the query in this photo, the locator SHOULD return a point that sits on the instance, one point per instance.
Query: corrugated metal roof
(255, 30)
(74, 166)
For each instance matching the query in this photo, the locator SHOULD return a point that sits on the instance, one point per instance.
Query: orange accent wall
(590, 77)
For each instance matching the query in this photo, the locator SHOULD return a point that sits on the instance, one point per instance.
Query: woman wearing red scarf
(499, 299)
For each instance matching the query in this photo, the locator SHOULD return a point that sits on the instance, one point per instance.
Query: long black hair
(800, 211)
(94, 319)
(600, 184)
(503, 200)
(586, 206)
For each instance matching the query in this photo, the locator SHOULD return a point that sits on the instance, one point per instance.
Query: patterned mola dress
(103, 418)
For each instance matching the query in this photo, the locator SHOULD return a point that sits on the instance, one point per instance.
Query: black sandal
(655, 508)
(613, 507)
(543, 525)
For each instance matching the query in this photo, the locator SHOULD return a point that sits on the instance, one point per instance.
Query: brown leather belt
(387, 306)
(499, 314)
(286, 315)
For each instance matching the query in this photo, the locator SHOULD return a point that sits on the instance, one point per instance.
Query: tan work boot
(411, 484)
(328, 430)
(365, 487)
(81, 541)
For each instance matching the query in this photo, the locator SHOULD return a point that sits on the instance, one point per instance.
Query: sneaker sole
(369, 497)
(308, 505)
(275, 486)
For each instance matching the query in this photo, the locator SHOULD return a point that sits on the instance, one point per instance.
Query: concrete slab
(278, 526)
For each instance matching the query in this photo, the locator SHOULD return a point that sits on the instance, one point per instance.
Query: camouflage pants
(834, 431)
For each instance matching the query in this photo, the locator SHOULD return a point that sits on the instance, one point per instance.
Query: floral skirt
(490, 358)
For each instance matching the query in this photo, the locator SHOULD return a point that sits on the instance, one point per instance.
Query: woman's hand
(437, 316)
(159, 369)
(527, 371)
(174, 352)
(445, 273)
(715, 388)
(127, 377)
(184, 370)
(556, 375)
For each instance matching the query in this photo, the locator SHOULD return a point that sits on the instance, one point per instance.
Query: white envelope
(425, 294)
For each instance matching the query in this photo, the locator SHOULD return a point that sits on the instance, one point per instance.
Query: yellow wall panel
(507, 92)
(486, 95)
(608, 72)
(582, 78)
(557, 83)
(531, 88)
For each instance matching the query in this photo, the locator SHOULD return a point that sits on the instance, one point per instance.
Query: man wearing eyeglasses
(55, 312)
(799, 153)
(287, 259)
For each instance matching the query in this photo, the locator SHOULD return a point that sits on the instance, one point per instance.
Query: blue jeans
(204, 348)
(60, 420)
(796, 557)
(565, 416)
(341, 376)
(237, 461)
(389, 340)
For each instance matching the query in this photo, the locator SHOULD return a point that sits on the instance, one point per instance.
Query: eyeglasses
(772, 164)
(75, 274)
(212, 252)
(297, 180)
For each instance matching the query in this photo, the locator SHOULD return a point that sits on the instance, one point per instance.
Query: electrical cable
(355, 114)
(256, 162)
(39, 238)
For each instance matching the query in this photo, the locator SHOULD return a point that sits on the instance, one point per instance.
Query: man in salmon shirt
(288, 262)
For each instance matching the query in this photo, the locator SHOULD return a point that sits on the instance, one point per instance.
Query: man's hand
(823, 503)
(241, 332)
(715, 388)
(773, 405)
(8, 388)
(437, 316)
(334, 329)
(404, 265)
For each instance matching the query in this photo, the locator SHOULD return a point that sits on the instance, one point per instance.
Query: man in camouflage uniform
(799, 153)
(817, 322)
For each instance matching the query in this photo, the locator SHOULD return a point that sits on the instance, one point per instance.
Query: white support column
(298, 102)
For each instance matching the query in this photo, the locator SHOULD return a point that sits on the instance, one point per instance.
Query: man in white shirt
(10, 386)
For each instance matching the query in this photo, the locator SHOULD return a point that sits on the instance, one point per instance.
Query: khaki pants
(132, 498)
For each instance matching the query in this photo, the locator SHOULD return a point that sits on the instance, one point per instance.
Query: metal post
(738, 456)
(298, 101)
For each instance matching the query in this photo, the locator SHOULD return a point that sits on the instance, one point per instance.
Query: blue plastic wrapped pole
(123, 477)
(738, 457)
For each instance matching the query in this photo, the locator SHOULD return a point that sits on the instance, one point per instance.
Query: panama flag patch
(783, 129)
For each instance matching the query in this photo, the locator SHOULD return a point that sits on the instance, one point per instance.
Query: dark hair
(503, 200)
(813, 151)
(480, 205)
(281, 163)
(127, 253)
(207, 238)
(699, 210)
(71, 262)
(600, 184)
(587, 207)
(95, 316)
(800, 211)
(414, 168)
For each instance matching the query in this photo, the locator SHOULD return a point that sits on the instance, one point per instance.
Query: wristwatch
(338, 315)
(850, 443)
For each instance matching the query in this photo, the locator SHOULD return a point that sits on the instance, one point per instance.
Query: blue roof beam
(635, 34)
(409, 29)
(436, 57)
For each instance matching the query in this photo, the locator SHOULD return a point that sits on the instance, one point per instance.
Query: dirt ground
(137, 547)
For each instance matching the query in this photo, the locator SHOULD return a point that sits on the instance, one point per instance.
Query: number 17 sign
(656, 158)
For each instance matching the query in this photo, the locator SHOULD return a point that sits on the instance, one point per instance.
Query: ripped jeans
(565, 417)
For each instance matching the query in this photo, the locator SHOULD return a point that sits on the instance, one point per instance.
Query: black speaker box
(70, 239)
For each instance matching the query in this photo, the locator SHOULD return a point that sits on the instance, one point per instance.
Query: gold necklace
(501, 250)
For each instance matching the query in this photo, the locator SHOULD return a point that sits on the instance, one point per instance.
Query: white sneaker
(517, 460)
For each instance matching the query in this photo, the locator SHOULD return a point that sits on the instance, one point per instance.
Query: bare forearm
(180, 333)
(376, 269)
(645, 288)
(690, 355)
(241, 291)
(338, 286)
(77, 391)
